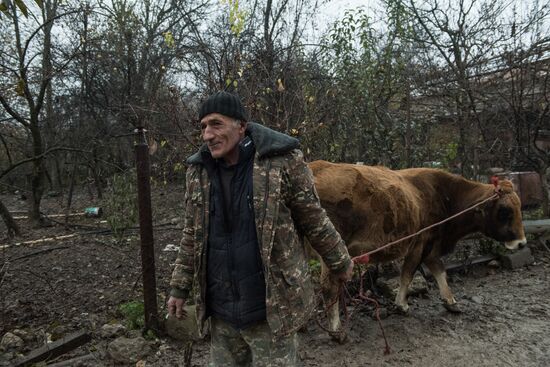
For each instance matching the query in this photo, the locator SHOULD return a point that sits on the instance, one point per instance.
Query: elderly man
(249, 201)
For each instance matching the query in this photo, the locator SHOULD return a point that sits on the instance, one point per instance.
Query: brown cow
(371, 206)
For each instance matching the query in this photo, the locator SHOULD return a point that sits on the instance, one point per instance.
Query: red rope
(364, 297)
(357, 301)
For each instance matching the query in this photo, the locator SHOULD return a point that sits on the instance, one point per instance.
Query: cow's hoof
(402, 309)
(452, 307)
(339, 336)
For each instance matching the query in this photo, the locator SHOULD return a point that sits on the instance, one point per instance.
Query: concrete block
(517, 259)
(389, 287)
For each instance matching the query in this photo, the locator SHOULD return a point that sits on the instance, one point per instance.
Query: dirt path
(81, 282)
(506, 325)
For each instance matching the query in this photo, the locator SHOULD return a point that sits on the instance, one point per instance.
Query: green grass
(133, 313)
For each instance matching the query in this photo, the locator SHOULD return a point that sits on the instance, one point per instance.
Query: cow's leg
(410, 264)
(438, 270)
(330, 286)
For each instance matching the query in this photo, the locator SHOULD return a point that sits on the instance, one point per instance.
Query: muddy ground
(54, 288)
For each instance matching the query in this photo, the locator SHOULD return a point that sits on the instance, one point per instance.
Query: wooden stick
(55, 349)
(42, 240)
(76, 361)
(52, 216)
(457, 265)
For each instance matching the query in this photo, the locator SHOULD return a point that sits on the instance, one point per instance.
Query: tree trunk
(95, 173)
(544, 174)
(71, 189)
(408, 130)
(13, 228)
(37, 175)
(37, 190)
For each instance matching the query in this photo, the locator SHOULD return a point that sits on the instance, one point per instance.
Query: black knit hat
(224, 103)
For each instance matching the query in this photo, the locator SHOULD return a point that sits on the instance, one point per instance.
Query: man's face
(222, 135)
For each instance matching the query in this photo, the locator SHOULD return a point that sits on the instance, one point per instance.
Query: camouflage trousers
(255, 346)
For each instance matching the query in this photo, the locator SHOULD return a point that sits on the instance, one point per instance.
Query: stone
(112, 330)
(171, 248)
(25, 335)
(184, 329)
(494, 264)
(58, 332)
(134, 333)
(477, 299)
(128, 350)
(389, 287)
(89, 321)
(164, 348)
(518, 259)
(11, 341)
(6, 357)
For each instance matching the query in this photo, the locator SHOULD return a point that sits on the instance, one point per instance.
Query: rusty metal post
(146, 231)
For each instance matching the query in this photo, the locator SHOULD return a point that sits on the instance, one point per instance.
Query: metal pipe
(146, 231)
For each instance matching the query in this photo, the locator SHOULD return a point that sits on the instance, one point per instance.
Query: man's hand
(346, 276)
(175, 307)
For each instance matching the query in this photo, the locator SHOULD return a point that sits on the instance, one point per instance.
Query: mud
(58, 287)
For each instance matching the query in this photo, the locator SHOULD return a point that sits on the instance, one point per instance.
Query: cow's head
(503, 217)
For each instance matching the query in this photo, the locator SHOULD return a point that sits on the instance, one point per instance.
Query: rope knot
(498, 189)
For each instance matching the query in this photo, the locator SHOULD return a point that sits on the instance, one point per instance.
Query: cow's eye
(504, 214)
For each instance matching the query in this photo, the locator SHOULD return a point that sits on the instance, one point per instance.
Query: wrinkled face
(222, 135)
(504, 221)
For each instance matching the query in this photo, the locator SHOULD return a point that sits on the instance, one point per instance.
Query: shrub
(134, 314)
(121, 208)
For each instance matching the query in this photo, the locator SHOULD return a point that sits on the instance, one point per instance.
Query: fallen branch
(459, 265)
(76, 225)
(42, 240)
(52, 216)
(55, 349)
(77, 361)
(57, 238)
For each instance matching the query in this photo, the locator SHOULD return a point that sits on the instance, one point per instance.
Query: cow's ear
(505, 187)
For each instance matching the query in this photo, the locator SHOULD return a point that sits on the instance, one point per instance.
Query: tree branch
(31, 159)
(13, 113)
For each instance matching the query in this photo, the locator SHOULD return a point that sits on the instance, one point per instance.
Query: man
(249, 201)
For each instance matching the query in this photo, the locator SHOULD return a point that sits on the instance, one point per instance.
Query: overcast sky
(335, 9)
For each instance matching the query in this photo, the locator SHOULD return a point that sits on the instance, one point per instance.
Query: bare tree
(523, 90)
(459, 36)
(30, 66)
(262, 58)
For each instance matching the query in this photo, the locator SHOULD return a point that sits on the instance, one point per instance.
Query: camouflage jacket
(286, 208)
